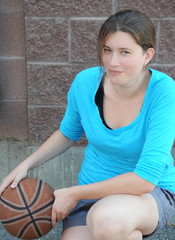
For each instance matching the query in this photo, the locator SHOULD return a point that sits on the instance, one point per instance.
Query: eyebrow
(122, 48)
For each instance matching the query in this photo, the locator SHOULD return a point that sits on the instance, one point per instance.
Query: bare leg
(76, 233)
(123, 216)
(136, 235)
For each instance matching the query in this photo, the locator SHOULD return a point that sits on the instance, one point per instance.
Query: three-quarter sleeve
(71, 125)
(159, 138)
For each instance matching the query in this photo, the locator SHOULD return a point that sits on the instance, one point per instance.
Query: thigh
(76, 233)
(130, 211)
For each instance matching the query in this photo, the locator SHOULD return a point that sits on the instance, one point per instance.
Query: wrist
(76, 192)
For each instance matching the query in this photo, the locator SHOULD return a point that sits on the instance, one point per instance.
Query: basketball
(25, 211)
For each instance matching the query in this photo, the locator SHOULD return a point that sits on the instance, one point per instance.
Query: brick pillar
(13, 95)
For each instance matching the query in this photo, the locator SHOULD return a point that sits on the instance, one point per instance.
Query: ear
(149, 55)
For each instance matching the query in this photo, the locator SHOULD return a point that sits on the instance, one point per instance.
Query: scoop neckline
(140, 114)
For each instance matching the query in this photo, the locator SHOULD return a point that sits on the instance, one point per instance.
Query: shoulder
(160, 77)
(162, 82)
(93, 71)
(89, 76)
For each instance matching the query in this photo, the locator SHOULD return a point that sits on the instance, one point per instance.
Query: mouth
(114, 72)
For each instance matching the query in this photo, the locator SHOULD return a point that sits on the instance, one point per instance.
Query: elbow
(148, 188)
(144, 186)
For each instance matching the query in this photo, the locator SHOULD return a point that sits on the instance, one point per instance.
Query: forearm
(128, 183)
(55, 145)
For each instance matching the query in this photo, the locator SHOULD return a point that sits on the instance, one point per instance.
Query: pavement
(168, 233)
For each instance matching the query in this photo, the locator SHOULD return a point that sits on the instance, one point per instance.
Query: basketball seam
(32, 214)
(28, 210)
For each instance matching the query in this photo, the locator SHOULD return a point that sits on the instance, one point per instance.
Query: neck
(129, 90)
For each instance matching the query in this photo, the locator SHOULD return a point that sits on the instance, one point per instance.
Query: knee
(105, 224)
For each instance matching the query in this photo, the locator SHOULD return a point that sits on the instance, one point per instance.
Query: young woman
(126, 187)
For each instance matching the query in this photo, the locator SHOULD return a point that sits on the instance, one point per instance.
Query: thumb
(15, 183)
(54, 217)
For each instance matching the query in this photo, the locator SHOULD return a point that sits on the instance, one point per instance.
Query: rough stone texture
(13, 120)
(84, 40)
(47, 39)
(42, 122)
(68, 8)
(167, 40)
(154, 9)
(12, 34)
(13, 79)
(49, 84)
(11, 6)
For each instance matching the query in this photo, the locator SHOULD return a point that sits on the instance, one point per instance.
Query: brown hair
(136, 23)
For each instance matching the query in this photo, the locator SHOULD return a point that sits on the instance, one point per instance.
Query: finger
(15, 182)
(9, 182)
(54, 218)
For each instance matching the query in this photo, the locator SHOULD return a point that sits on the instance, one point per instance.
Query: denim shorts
(165, 200)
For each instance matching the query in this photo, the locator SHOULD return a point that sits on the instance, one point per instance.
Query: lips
(114, 72)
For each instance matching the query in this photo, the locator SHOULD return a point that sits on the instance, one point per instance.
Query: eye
(107, 50)
(124, 52)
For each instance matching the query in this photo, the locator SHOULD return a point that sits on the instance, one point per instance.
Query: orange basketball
(25, 211)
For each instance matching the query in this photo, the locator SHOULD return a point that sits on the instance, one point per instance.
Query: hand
(64, 202)
(13, 178)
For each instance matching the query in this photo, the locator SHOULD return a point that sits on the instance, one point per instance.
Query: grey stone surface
(9, 6)
(12, 41)
(13, 119)
(13, 79)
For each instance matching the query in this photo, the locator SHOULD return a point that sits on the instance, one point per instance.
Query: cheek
(133, 65)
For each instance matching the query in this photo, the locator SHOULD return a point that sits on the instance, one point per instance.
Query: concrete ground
(59, 172)
(168, 233)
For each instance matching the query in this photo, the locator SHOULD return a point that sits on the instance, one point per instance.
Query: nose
(114, 60)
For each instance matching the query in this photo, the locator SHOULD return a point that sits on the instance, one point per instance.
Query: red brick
(154, 9)
(68, 8)
(84, 35)
(47, 39)
(43, 121)
(166, 44)
(49, 84)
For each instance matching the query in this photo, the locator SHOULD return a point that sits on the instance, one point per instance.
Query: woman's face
(123, 59)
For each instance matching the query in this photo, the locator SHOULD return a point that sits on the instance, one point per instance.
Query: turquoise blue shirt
(143, 146)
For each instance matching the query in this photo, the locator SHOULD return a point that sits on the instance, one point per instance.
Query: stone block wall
(44, 44)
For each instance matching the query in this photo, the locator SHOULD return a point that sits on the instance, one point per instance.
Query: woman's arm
(67, 198)
(127, 183)
(55, 145)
